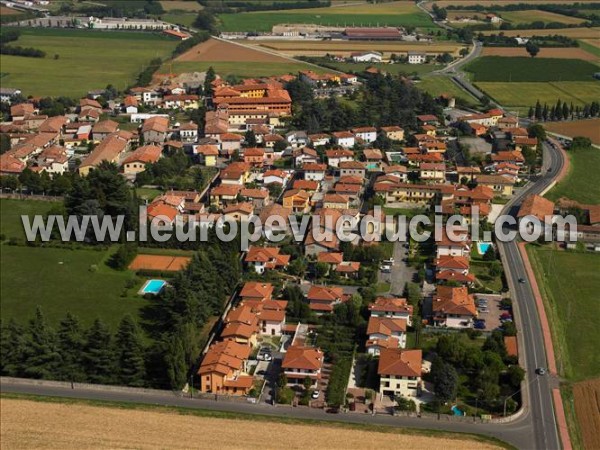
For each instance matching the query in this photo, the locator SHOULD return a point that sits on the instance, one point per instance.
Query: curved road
(534, 429)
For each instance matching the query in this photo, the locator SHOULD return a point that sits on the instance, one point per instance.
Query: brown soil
(587, 408)
(588, 128)
(562, 53)
(575, 33)
(214, 50)
(30, 424)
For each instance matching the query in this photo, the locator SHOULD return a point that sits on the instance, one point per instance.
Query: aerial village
(325, 324)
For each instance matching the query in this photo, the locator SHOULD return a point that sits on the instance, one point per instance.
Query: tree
(321, 269)
(175, 362)
(532, 48)
(209, 78)
(13, 345)
(515, 375)
(495, 268)
(70, 345)
(42, 358)
(490, 254)
(130, 353)
(581, 142)
(250, 138)
(445, 380)
(536, 130)
(98, 354)
(205, 21)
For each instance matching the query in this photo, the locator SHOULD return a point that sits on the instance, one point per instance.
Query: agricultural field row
(402, 13)
(588, 128)
(575, 33)
(582, 52)
(517, 17)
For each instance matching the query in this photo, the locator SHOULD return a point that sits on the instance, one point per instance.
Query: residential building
(265, 258)
(453, 307)
(416, 57)
(137, 161)
(400, 372)
(322, 299)
(302, 362)
(224, 369)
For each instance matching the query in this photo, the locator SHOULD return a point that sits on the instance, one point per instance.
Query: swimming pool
(372, 166)
(483, 247)
(153, 287)
(457, 412)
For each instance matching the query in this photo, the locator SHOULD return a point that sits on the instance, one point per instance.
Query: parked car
(315, 394)
(388, 262)
(521, 280)
(505, 315)
(479, 325)
(386, 268)
(540, 371)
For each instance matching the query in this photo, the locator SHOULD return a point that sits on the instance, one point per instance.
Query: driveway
(401, 273)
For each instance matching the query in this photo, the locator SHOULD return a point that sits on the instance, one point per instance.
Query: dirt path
(30, 424)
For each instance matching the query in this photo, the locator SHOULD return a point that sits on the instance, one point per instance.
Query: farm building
(367, 57)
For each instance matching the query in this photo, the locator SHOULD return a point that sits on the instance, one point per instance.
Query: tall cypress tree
(175, 362)
(12, 351)
(130, 353)
(98, 354)
(70, 345)
(42, 359)
(538, 110)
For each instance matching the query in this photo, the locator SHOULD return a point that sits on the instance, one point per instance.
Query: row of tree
(563, 111)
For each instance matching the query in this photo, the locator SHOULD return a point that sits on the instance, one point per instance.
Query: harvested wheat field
(490, 3)
(589, 128)
(587, 408)
(575, 33)
(561, 53)
(180, 5)
(215, 50)
(31, 424)
(322, 48)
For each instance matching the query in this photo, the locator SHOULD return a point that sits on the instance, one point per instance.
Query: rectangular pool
(153, 287)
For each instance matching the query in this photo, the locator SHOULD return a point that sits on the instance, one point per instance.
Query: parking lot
(488, 308)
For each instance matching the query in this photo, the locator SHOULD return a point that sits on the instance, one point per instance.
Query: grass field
(11, 211)
(437, 86)
(570, 283)
(86, 60)
(546, 52)
(62, 280)
(591, 46)
(527, 69)
(525, 95)
(402, 13)
(181, 5)
(581, 183)
(589, 128)
(57, 423)
(419, 69)
(179, 18)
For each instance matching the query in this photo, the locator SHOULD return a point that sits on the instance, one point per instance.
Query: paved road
(538, 388)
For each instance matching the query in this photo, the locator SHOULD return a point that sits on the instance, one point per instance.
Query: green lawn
(241, 69)
(86, 60)
(570, 285)
(481, 270)
(12, 210)
(580, 183)
(391, 14)
(526, 69)
(594, 50)
(180, 18)
(61, 281)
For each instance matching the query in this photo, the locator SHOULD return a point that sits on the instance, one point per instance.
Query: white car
(315, 394)
(386, 268)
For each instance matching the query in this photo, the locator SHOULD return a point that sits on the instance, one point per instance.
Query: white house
(375, 57)
(188, 132)
(302, 362)
(275, 176)
(335, 157)
(417, 57)
(400, 372)
(367, 134)
(314, 171)
(344, 139)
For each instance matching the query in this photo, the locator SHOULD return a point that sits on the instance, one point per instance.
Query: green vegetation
(570, 282)
(437, 86)
(523, 69)
(566, 392)
(63, 280)
(593, 49)
(179, 18)
(400, 68)
(12, 210)
(385, 14)
(581, 183)
(526, 94)
(86, 60)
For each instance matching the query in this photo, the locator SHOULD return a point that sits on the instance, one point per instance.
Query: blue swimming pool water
(457, 412)
(372, 166)
(153, 286)
(483, 247)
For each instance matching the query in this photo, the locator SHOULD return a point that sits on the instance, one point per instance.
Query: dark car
(521, 280)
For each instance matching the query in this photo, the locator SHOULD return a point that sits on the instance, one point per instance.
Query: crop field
(526, 94)
(179, 18)
(321, 48)
(85, 60)
(527, 69)
(591, 46)
(73, 425)
(181, 5)
(575, 33)
(402, 13)
(546, 52)
(215, 50)
(418, 69)
(5, 11)
(536, 15)
(571, 302)
(586, 395)
(581, 183)
(490, 3)
(588, 128)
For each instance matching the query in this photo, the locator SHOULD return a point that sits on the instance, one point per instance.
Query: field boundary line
(561, 419)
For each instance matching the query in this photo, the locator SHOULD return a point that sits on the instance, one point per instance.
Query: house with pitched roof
(384, 328)
(302, 362)
(224, 369)
(453, 307)
(400, 372)
(322, 299)
(142, 156)
(262, 259)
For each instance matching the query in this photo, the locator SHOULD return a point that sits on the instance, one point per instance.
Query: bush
(285, 395)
